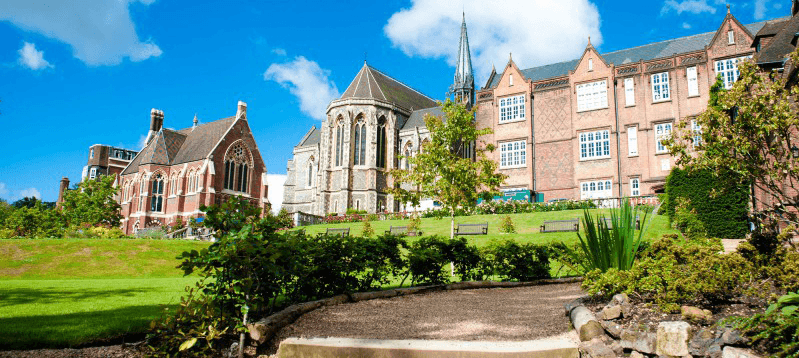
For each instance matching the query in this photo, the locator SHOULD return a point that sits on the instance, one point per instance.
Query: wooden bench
(471, 229)
(561, 225)
(402, 231)
(609, 223)
(336, 232)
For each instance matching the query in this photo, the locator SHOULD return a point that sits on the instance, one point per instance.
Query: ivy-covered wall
(721, 206)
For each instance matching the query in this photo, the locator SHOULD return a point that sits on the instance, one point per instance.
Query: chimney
(61, 189)
(794, 7)
(156, 122)
(241, 111)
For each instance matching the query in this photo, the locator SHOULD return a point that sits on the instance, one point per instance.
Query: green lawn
(527, 226)
(68, 292)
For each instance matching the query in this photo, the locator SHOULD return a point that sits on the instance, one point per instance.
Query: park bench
(561, 225)
(402, 231)
(609, 223)
(471, 229)
(337, 232)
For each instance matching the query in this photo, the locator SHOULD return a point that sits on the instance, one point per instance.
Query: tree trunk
(452, 236)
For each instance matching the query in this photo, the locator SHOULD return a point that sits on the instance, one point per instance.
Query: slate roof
(313, 137)
(646, 52)
(417, 117)
(170, 147)
(782, 44)
(373, 84)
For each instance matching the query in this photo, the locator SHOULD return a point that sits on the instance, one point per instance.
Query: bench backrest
(338, 231)
(561, 225)
(398, 230)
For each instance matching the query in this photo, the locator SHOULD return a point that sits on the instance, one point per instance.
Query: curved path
(495, 314)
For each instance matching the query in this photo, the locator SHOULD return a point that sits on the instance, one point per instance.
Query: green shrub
(428, 256)
(352, 211)
(414, 224)
(721, 202)
(506, 226)
(367, 228)
(686, 220)
(672, 273)
(777, 330)
(775, 258)
(511, 261)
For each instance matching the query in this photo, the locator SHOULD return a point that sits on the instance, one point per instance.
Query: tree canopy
(92, 203)
(442, 172)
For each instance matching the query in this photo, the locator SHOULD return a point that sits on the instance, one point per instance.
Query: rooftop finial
(589, 40)
(728, 8)
(195, 120)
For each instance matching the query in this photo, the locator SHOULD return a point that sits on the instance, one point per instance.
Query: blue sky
(76, 75)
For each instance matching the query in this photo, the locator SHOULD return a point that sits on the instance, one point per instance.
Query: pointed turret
(463, 87)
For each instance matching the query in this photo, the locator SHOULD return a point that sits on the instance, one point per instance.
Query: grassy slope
(60, 293)
(527, 226)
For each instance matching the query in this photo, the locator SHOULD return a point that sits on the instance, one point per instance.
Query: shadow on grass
(45, 295)
(77, 329)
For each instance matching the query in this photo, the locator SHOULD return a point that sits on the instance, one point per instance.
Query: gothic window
(406, 163)
(190, 182)
(381, 143)
(310, 172)
(157, 198)
(238, 165)
(339, 140)
(172, 184)
(360, 143)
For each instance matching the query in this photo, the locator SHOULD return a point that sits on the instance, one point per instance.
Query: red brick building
(106, 160)
(591, 127)
(180, 170)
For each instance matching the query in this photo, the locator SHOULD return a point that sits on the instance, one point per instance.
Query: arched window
(190, 182)
(172, 184)
(238, 165)
(197, 178)
(310, 172)
(360, 143)
(339, 140)
(407, 154)
(381, 142)
(157, 198)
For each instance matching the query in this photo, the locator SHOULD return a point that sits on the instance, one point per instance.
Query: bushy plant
(672, 272)
(35, 222)
(92, 203)
(367, 228)
(506, 226)
(428, 256)
(777, 330)
(414, 224)
(351, 211)
(512, 261)
(775, 257)
(686, 219)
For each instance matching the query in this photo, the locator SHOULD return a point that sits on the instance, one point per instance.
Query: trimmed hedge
(720, 202)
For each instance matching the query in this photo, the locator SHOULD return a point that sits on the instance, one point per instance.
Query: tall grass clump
(609, 244)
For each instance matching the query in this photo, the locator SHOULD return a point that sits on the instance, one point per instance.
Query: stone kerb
(263, 330)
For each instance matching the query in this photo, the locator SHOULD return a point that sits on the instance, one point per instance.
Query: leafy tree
(440, 172)
(750, 130)
(92, 203)
(26, 202)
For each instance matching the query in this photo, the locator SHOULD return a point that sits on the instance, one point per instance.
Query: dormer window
(730, 37)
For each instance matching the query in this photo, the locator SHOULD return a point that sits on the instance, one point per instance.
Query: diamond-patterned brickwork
(553, 120)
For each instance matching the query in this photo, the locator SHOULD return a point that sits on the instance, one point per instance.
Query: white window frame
(513, 154)
(92, 173)
(629, 92)
(728, 69)
(696, 130)
(595, 145)
(730, 37)
(632, 141)
(692, 76)
(596, 189)
(662, 131)
(592, 95)
(512, 108)
(590, 64)
(635, 187)
(660, 87)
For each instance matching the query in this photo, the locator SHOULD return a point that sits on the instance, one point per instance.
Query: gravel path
(496, 314)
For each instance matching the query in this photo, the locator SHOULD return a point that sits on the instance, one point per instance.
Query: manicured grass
(68, 292)
(527, 226)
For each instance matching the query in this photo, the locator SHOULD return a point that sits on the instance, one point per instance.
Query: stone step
(562, 346)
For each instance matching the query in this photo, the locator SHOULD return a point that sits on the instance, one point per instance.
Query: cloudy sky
(77, 73)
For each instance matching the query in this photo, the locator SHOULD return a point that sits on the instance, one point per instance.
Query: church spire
(463, 87)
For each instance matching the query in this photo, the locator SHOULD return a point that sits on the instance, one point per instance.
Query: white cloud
(142, 142)
(32, 58)
(686, 25)
(3, 191)
(275, 195)
(538, 32)
(101, 32)
(30, 192)
(279, 51)
(308, 82)
(691, 6)
(760, 9)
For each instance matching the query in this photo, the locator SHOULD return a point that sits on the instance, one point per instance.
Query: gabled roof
(170, 147)
(417, 117)
(313, 137)
(782, 44)
(646, 52)
(373, 84)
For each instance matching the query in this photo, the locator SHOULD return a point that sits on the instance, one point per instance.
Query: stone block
(612, 328)
(696, 314)
(672, 339)
(595, 348)
(643, 342)
(610, 312)
(734, 352)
